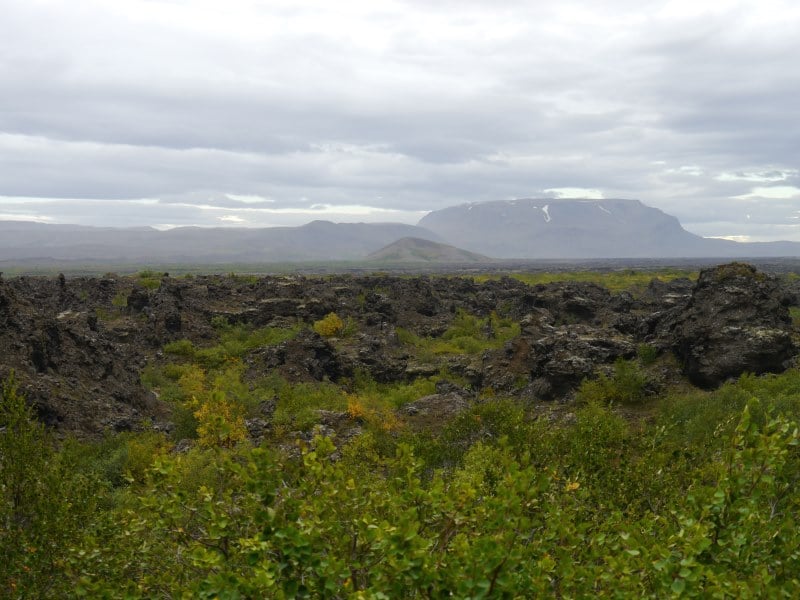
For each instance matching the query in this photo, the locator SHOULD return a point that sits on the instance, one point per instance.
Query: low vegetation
(468, 334)
(271, 487)
(615, 281)
(699, 501)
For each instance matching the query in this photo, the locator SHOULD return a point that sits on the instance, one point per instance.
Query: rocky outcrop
(555, 362)
(736, 321)
(77, 375)
(308, 357)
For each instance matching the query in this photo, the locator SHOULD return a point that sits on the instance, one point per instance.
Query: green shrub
(149, 279)
(627, 385)
(120, 300)
(486, 422)
(183, 348)
(298, 404)
(45, 503)
(646, 354)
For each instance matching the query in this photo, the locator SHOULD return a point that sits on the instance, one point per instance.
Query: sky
(265, 113)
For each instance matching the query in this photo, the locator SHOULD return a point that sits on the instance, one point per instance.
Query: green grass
(614, 281)
(299, 403)
(149, 278)
(467, 334)
(235, 342)
(393, 395)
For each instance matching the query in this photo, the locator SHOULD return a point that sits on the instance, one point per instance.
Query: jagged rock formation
(78, 345)
(79, 374)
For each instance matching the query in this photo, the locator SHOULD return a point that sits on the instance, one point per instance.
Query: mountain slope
(412, 249)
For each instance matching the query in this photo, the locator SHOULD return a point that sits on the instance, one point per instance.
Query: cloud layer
(140, 112)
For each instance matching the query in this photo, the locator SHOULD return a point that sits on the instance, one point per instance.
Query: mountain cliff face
(566, 229)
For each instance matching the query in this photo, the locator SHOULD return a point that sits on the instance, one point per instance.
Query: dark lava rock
(78, 353)
(570, 302)
(308, 357)
(379, 355)
(430, 412)
(668, 293)
(735, 322)
(555, 363)
(138, 299)
(560, 362)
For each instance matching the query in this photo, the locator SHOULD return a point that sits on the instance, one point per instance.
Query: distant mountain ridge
(528, 229)
(315, 241)
(581, 229)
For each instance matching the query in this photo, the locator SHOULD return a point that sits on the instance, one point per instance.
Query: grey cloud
(410, 108)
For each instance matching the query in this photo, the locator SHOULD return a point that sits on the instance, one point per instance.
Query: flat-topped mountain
(574, 228)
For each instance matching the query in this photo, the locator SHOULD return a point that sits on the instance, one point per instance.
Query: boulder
(735, 322)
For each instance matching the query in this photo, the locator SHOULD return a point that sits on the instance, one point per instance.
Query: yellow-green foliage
(192, 382)
(120, 300)
(329, 326)
(736, 269)
(696, 502)
(140, 451)
(219, 422)
(376, 403)
(181, 348)
(214, 371)
(236, 340)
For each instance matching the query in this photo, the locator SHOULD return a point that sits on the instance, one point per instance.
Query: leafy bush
(219, 422)
(298, 404)
(45, 502)
(120, 300)
(329, 326)
(149, 279)
(697, 500)
(235, 342)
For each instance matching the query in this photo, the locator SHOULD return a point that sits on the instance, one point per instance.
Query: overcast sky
(259, 113)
